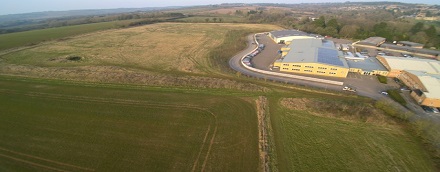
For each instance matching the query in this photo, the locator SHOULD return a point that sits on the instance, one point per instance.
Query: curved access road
(235, 63)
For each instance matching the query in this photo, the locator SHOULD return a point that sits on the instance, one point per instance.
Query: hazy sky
(25, 6)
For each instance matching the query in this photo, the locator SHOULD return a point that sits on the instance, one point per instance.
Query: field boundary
(131, 103)
(263, 145)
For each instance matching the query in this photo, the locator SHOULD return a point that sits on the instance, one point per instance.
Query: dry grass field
(157, 54)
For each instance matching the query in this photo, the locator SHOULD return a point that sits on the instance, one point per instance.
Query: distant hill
(72, 13)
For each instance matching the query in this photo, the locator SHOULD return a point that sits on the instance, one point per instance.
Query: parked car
(384, 93)
(349, 89)
(435, 110)
(404, 89)
(427, 109)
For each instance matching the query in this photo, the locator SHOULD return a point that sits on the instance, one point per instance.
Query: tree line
(352, 25)
(144, 18)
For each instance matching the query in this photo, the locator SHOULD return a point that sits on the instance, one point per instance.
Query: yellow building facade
(313, 57)
(313, 69)
(373, 72)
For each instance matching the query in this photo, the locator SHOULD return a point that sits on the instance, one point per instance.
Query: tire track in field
(131, 103)
(47, 160)
(201, 150)
(209, 148)
(32, 163)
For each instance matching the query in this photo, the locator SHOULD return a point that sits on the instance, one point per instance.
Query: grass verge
(427, 129)
(395, 95)
(382, 79)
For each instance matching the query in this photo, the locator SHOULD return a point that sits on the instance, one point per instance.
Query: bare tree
(349, 31)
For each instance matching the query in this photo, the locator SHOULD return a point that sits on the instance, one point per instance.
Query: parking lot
(369, 85)
(265, 58)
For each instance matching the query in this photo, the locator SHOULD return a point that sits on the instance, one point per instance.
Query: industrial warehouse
(312, 56)
(286, 36)
(420, 75)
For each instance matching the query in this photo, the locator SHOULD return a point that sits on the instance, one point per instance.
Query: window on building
(333, 69)
(285, 64)
(332, 73)
(295, 69)
(320, 72)
(322, 68)
(308, 71)
(285, 68)
(296, 65)
(308, 66)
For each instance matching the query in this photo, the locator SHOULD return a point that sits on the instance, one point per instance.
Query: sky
(26, 6)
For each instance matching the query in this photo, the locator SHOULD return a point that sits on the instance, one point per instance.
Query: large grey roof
(285, 33)
(373, 40)
(314, 51)
(424, 65)
(431, 83)
(368, 64)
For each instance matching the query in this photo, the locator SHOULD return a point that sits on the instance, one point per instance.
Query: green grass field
(307, 142)
(59, 126)
(168, 105)
(18, 39)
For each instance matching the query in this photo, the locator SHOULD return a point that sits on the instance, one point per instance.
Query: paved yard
(369, 85)
(266, 58)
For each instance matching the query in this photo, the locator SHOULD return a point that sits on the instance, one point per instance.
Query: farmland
(159, 97)
(54, 125)
(37, 36)
(158, 54)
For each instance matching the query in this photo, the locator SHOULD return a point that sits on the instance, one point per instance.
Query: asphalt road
(367, 86)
